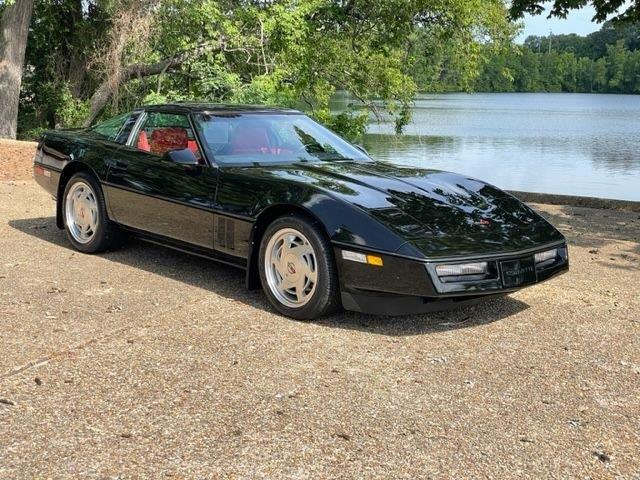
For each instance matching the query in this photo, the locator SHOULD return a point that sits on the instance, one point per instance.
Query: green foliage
(445, 62)
(621, 10)
(69, 110)
(57, 77)
(66, 110)
(352, 125)
(294, 53)
(299, 53)
(568, 66)
(593, 46)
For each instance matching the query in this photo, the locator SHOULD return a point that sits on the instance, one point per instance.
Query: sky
(578, 21)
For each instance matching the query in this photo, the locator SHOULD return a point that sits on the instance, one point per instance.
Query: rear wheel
(85, 216)
(297, 269)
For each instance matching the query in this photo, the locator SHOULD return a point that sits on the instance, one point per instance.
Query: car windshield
(248, 138)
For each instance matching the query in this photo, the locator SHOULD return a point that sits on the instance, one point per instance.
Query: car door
(149, 192)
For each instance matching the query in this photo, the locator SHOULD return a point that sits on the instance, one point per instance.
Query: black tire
(107, 235)
(326, 296)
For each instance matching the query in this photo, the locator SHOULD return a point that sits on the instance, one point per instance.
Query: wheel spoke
(93, 219)
(306, 270)
(300, 284)
(286, 284)
(280, 268)
(312, 276)
(301, 250)
(286, 246)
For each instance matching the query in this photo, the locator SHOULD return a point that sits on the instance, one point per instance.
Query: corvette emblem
(291, 268)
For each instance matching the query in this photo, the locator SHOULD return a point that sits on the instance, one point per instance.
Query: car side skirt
(185, 247)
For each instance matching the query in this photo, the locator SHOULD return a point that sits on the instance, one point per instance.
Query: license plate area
(516, 273)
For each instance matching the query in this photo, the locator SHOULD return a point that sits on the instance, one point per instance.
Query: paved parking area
(150, 363)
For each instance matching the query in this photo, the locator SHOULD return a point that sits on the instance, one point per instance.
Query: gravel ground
(15, 159)
(146, 363)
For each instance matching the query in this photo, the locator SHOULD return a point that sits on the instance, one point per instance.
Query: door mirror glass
(183, 156)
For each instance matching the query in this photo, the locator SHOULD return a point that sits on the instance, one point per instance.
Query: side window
(116, 129)
(162, 132)
(125, 131)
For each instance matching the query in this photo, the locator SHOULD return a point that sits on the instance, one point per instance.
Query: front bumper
(409, 286)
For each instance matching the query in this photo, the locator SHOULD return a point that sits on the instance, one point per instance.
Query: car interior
(244, 138)
(235, 138)
(162, 139)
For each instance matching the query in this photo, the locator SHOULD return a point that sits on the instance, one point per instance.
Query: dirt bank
(16, 159)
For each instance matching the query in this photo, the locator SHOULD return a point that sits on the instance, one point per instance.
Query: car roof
(197, 107)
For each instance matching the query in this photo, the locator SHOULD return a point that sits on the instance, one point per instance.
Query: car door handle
(116, 164)
(117, 168)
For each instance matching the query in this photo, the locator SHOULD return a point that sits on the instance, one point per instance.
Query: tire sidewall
(323, 299)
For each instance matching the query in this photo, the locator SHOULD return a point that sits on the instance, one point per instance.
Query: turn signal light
(374, 260)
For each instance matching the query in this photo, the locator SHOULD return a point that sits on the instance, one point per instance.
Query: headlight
(478, 268)
(546, 255)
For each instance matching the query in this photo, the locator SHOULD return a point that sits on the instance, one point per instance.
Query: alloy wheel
(81, 212)
(291, 268)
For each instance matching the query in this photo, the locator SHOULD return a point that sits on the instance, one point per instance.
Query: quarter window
(117, 129)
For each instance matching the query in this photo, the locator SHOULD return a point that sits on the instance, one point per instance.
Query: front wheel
(297, 269)
(85, 216)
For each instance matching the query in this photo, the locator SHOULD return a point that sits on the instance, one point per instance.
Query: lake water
(576, 144)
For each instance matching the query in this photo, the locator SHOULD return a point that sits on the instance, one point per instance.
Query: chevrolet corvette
(311, 218)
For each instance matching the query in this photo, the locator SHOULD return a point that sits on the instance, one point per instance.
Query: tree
(560, 8)
(290, 52)
(14, 30)
(605, 62)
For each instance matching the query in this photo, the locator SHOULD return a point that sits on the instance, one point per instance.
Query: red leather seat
(193, 146)
(250, 139)
(143, 142)
(168, 138)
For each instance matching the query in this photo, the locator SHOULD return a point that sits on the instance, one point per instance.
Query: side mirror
(362, 149)
(182, 157)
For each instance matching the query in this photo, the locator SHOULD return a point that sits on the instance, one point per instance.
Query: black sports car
(310, 217)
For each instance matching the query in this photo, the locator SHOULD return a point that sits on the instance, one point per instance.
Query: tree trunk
(107, 88)
(14, 30)
(77, 67)
(77, 73)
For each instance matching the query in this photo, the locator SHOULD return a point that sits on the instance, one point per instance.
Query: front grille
(502, 273)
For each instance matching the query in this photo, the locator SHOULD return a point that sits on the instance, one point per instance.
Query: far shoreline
(532, 93)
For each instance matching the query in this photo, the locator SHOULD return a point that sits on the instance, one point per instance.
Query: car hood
(441, 214)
